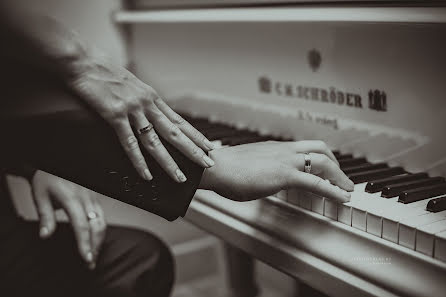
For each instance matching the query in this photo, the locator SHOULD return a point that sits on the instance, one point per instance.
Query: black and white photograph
(222, 148)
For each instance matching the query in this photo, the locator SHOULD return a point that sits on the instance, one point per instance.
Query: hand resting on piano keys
(256, 170)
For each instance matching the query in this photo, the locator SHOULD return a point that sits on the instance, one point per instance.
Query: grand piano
(367, 77)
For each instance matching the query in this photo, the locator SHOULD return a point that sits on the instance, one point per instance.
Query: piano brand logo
(314, 59)
(377, 98)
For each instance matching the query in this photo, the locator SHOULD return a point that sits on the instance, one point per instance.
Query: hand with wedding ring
(256, 170)
(84, 212)
(136, 111)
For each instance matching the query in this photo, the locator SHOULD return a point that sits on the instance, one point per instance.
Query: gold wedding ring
(145, 129)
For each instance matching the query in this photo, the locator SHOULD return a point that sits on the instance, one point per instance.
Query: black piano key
(364, 167)
(220, 133)
(361, 177)
(410, 196)
(249, 139)
(344, 156)
(343, 163)
(254, 139)
(378, 185)
(204, 124)
(336, 154)
(240, 136)
(437, 204)
(396, 189)
(199, 122)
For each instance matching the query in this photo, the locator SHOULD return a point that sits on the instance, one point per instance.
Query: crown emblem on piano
(377, 100)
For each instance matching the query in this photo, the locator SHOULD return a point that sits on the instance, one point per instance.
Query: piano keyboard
(388, 202)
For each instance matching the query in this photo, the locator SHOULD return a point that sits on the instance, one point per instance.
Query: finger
(45, 212)
(318, 186)
(177, 138)
(193, 134)
(81, 228)
(156, 149)
(95, 217)
(314, 146)
(324, 167)
(131, 146)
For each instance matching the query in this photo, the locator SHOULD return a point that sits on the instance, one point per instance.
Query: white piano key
(392, 218)
(363, 202)
(305, 200)
(399, 212)
(317, 203)
(294, 196)
(425, 235)
(440, 246)
(408, 226)
(345, 209)
(374, 224)
(331, 209)
(345, 213)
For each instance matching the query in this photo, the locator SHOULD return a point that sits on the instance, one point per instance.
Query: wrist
(205, 183)
(207, 178)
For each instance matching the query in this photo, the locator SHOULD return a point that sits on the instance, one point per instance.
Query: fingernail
(147, 174)
(351, 184)
(90, 257)
(180, 176)
(346, 194)
(44, 232)
(208, 161)
(209, 145)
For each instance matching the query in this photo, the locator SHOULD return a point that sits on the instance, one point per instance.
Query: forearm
(39, 41)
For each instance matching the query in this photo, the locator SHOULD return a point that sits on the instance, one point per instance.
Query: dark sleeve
(18, 168)
(79, 146)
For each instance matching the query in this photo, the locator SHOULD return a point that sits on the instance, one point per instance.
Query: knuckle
(324, 159)
(102, 226)
(133, 105)
(82, 227)
(317, 184)
(141, 163)
(153, 140)
(178, 120)
(196, 151)
(118, 109)
(150, 95)
(174, 131)
(44, 217)
(131, 143)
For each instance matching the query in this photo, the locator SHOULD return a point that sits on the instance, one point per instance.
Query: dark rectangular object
(396, 189)
(378, 185)
(410, 196)
(364, 167)
(437, 204)
(81, 147)
(375, 174)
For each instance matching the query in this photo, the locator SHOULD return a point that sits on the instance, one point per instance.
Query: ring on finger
(92, 215)
(145, 129)
(307, 167)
